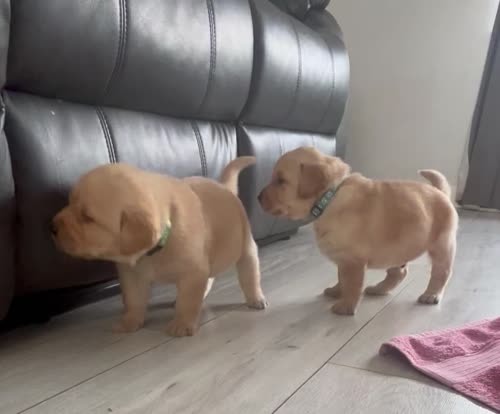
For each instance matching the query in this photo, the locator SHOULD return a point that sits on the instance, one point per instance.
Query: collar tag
(162, 242)
(320, 206)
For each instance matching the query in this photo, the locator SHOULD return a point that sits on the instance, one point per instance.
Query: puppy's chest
(330, 246)
(159, 268)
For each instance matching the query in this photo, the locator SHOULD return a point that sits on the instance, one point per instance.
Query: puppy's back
(225, 221)
(376, 213)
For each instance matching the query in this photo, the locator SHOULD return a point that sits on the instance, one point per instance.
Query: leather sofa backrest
(300, 75)
(186, 58)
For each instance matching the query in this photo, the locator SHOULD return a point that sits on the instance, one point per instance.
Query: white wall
(416, 67)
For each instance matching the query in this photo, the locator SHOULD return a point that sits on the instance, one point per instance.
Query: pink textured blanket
(466, 359)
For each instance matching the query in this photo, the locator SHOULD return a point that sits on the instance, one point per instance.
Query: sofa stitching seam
(213, 53)
(107, 135)
(103, 128)
(282, 151)
(299, 72)
(332, 89)
(201, 148)
(120, 54)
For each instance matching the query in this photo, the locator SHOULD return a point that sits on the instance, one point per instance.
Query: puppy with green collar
(162, 229)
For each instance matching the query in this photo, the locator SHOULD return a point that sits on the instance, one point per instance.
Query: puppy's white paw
(429, 299)
(181, 328)
(332, 292)
(258, 304)
(343, 307)
(375, 290)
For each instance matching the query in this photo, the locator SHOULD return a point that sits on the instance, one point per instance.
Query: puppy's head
(299, 178)
(111, 216)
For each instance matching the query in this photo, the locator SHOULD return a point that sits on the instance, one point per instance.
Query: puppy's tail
(229, 177)
(437, 180)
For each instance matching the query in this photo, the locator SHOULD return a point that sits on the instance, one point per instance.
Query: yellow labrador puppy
(158, 228)
(362, 223)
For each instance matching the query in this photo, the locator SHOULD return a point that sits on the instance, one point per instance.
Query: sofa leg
(39, 308)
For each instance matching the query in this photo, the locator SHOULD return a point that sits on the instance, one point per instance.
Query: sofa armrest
(7, 213)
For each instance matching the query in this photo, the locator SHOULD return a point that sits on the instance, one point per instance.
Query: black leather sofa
(177, 86)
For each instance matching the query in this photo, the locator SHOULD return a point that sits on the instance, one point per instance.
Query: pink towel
(466, 359)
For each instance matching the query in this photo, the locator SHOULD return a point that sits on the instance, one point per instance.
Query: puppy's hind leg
(207, 291)
(393, 278)
(442, 255)
(249, 276)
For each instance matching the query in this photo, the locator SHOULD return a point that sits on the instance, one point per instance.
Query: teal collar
(324, 201)
(162, 242)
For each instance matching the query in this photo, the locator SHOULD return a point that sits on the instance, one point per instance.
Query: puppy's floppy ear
(313, 179)
(138, 231)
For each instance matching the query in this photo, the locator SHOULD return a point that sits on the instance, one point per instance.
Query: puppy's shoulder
(358, 187)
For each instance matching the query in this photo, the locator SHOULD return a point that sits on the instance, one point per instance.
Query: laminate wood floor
(295, 357)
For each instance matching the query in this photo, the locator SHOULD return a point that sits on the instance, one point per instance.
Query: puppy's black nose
(53, 228)
(259, 197)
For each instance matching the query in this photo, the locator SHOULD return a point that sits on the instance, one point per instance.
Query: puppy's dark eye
(86, 218)
(280, 180)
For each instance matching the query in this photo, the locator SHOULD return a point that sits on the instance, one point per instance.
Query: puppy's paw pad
(258, 304)
(332, 292)
(180, 328)
(126, 326)
(344, 308)
(429, 299)
(375, 291)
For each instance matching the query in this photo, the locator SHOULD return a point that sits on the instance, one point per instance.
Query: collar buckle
(162, 242)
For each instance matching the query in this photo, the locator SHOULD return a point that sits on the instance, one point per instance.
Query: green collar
(162, 242)
(320, 206)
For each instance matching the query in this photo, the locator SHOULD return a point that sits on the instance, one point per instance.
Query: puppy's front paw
(259, 304)
(179, 328)
(429, 298)
(128, 324)
(332, 292)
(343, 307)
